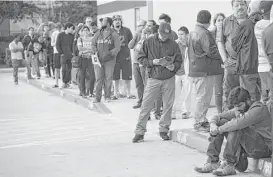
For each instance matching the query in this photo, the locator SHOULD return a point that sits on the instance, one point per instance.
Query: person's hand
(156, 61)
(163, 62)
(214, 130)
(170, 67)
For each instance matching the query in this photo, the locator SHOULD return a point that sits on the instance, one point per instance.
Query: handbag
(75, 61)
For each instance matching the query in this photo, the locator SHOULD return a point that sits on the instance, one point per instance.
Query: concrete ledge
(72, 97)
(199, 141)
(10, 70)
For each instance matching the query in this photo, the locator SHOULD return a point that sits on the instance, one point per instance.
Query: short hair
(18, 36)
(232, 2)
(185, 29)
(204, 17)
(101, 19)
(165, 17)
(238, 95)
(30, 28)
(68, 25)
(155, 29)
(85, 27)
(154, 23)
(109, 20)
(216, 16)
(59, 25)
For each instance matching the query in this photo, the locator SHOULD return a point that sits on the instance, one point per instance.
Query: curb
(10, 70)
(198, 141)
(72, 97)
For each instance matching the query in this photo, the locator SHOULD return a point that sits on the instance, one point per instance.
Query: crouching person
(247, 129)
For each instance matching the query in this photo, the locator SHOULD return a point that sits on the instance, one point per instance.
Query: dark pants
(250, 82)
(16, 64)
(252, 143)
(139, 75)
(50, 65)
(86, 68)
(104, 76)
(66, 69)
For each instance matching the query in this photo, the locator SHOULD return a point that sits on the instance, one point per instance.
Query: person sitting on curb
(247, 128)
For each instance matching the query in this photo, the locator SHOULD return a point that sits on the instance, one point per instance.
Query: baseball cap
(165, 30)
(116, 17)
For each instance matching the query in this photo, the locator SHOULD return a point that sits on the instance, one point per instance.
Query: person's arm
(94, 42)
(81, 49)
(220, 39)
(117, 44)
(210, 50)
(58, 44)
(12, 48)
(21, 47)
(178, 60)
(53, 39)
(249, 118)
(143, 55)
(24, 42)
(133, 42)
(268, 53)
(228, 115)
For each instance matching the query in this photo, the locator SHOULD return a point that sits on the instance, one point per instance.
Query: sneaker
(202, 127)
(185, 115)
(138, 105)
(225, 169)
(114, 98)
(107, 100)
(55, 86)
(207, 168)
(64, 85)
(164, 136)
(242, 163)
(138, 138)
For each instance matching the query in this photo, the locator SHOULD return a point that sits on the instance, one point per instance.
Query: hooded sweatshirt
(107, 43)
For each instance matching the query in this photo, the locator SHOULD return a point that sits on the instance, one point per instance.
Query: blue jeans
(104, 76)
(250, 141)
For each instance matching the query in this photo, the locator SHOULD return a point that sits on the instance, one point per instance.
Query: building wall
(184, 13)
(128, 16)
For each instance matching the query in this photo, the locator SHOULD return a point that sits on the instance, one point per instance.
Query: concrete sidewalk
(181, 132)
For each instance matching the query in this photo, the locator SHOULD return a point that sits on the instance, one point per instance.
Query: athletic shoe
(138, 138)
(207, 168)
(164, 136)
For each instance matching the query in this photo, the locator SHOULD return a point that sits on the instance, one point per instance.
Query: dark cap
(165, 30)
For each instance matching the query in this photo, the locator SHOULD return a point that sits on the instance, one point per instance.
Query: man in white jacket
(183, 83)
